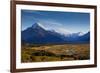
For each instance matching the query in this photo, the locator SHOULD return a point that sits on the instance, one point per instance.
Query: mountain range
(38, 35)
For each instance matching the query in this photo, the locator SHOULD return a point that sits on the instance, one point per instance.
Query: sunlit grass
(45, 53)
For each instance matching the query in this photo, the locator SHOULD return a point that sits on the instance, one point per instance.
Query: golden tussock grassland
(46, 53)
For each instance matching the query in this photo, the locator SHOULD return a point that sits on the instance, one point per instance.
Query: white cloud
(62, 31)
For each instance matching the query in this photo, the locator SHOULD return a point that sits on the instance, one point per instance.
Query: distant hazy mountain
(38, 35)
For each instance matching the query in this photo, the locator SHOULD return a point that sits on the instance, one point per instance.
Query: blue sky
(64, 22)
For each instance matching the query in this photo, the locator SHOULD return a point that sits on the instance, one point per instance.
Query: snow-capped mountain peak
(38, 25)
(80, 33)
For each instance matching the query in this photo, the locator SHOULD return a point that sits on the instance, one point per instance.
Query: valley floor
(46, 53)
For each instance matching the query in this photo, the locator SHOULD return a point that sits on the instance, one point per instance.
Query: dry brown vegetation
(45, 53)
